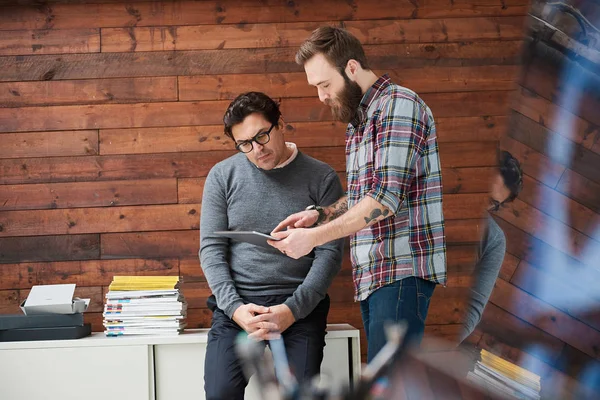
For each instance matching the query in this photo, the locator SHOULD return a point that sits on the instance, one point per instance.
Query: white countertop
(98, 339)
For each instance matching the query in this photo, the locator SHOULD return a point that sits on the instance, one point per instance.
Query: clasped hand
(263, 323)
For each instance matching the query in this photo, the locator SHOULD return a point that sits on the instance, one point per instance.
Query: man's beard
(345, 105)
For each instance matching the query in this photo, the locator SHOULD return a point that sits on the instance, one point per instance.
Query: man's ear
(281, 123)
(352, 68)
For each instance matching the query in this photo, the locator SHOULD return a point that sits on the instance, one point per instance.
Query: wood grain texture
(149, 244)
(548, 258)
(110, 116)
(553, 117)
(78, 169)
(547, 318)
(561, 207)
(107, 116)
(562, 103)
(185, 243)
(189, 165)
(550, 230)
(447, 305)
(466, 231)
(292, 34)
(48, 144)
(211, 137)
(88, 91)
(454, 180)
(304, 134)
(465, 206)
(581, 189)
(198, 318)
(577, 302)
(87, 194)
(461, 259)
(555, 146)
(442, 337)
(557, 86)
(49, 248)
(573, 362)
(246, 61)
(44, 41)
(9, 302)
(421, 80)
(63, 16)
(467, 180)
(82, 273)
(509, 266)
(99, 220)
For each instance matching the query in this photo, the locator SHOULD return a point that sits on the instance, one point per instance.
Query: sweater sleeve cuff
(232, 307)
(293, 306)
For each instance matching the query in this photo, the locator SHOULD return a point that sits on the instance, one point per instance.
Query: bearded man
(392, 210)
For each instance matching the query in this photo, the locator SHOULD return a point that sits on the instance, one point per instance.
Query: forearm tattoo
(376, 213)
(336, 210)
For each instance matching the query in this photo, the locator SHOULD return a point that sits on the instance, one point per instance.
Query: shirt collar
(370, 95)
(294, 149)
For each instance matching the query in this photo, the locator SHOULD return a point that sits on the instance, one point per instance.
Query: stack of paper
(144, 305)
(504, 378)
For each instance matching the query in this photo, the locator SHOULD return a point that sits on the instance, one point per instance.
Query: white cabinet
(73, 373)
(137, 368)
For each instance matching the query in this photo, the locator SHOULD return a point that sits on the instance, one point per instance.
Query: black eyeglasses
(260, 138)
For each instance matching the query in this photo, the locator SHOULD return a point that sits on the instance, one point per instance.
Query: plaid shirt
(392, 156)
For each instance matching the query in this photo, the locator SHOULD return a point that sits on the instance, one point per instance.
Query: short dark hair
(336, 44)
(512, 174)
(250, 103)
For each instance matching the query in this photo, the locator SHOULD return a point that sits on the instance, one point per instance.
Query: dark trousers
(404, 300)
(304, 342)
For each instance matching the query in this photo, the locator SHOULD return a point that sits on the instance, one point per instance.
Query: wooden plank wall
(110, 120)
(550, 296)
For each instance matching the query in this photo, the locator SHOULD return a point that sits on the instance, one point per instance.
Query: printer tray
(20, 321)
(58, 333)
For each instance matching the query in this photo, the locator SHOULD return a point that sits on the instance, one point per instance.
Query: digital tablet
(256, 238)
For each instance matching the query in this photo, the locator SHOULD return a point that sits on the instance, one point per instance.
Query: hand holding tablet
(256, 238)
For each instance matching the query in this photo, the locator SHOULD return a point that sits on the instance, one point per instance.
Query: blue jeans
(404, 300)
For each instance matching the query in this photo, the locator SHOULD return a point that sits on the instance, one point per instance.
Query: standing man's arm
(213, 255)
(310, 218)
(335, 210)
(401, 133)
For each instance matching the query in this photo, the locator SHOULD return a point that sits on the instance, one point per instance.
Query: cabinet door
(75, 373)
(336, 361)
(180, 369)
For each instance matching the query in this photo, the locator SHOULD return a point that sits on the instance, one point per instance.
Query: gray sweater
(240, 196)
(487, 268)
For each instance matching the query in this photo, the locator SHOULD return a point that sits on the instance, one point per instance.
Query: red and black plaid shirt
(392, 156)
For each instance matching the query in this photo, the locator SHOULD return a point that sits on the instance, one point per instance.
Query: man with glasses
(260, 290)
(506, 185)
